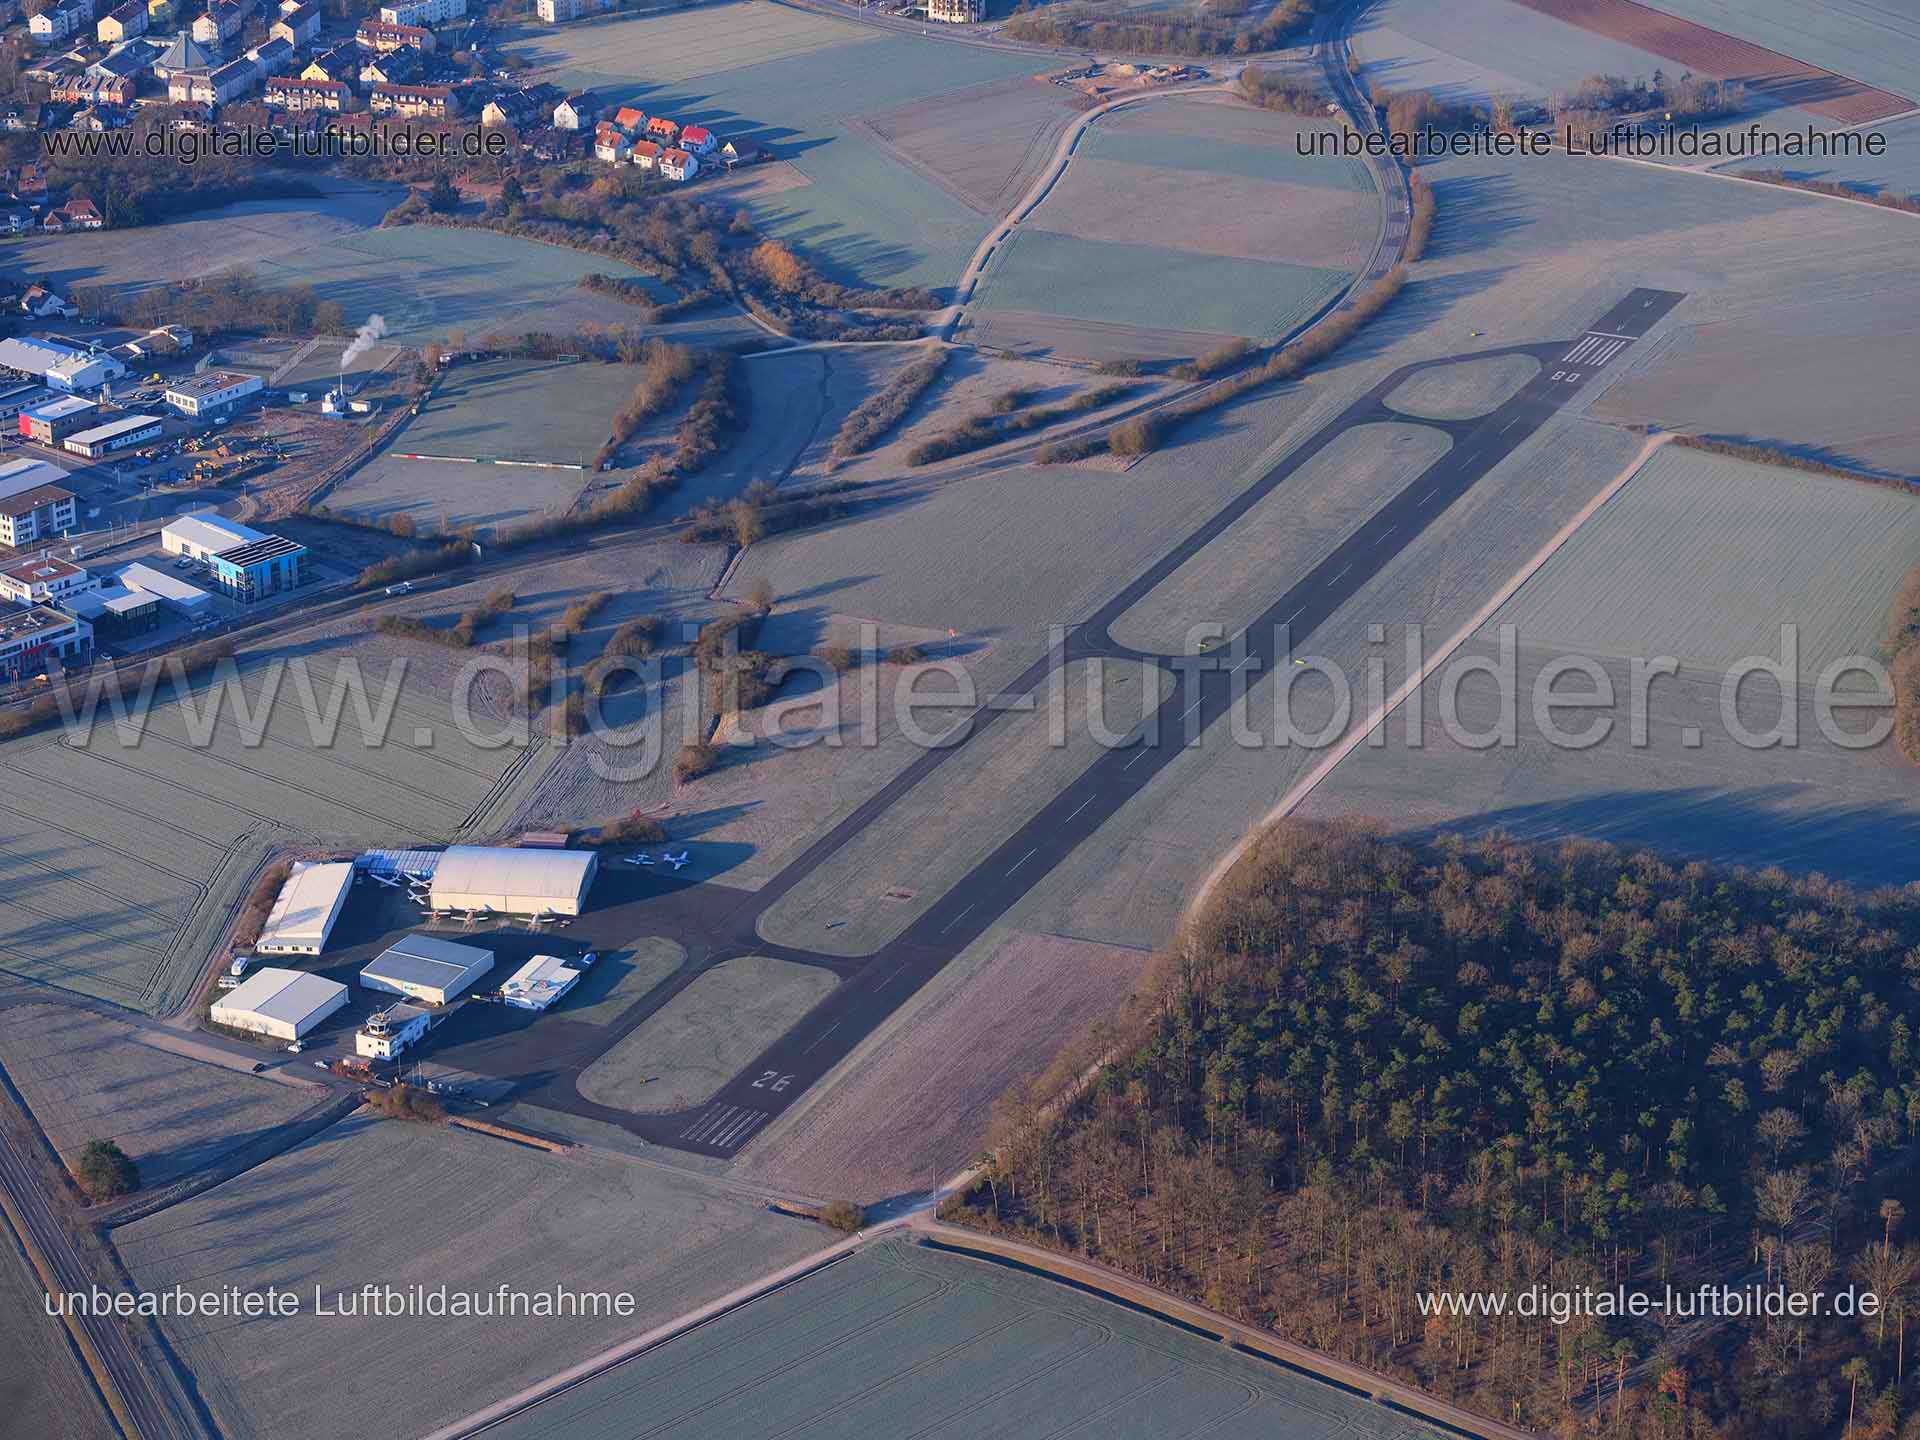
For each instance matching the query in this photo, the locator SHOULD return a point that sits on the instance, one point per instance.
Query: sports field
(390, 1203)
(963, 1347)
(685, 1051)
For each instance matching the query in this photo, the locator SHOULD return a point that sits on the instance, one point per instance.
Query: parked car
(295, 1048)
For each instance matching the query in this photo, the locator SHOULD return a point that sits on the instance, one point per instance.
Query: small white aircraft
(641, 859)
(392, 882)
(675, 860)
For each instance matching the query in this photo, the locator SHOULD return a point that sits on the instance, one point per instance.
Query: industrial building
(19, 398)
(84, 371)
(31, 636)
(53, 420)
(422, 967)
(188, 599)
(514, 882)
(539, 982)
(389, 1032)
(211, 392)
(105, 439)
(302, 916)
(259, 568)
(286, 1004)
(116, 608)
(204, 534)
(32, 358)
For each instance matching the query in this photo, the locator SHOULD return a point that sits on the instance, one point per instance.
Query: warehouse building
(539, 982)
(102, 440)
(204, 534)
(33, 358)
(16, 400)
(286, 1004)
(514, 882)
(302, 917)
(115, 609)
(211, 392)
(84, 371)
(422, 967)
(52, 421)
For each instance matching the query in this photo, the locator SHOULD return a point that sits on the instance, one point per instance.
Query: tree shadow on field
(1866, 844)
(1424, 302)
(1472, 212)
(1819, 454)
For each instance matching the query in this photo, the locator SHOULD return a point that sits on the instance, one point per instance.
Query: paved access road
(720, 924)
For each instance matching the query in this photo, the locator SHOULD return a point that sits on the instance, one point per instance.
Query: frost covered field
(386, 1202)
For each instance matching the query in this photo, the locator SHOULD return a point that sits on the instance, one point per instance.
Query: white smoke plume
(374, 329)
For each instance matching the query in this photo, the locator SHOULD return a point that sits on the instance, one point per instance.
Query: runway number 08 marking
(772, 1080)
(1571, 377)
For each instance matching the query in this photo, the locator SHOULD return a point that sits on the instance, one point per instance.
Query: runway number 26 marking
(772, 1080)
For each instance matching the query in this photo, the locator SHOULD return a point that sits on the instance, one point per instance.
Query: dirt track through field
(1780, 78)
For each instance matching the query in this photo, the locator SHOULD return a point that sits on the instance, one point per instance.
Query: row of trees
(1369, 1072)
(232, 301)
(1086, 25)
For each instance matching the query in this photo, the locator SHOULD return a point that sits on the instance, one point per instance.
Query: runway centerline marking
(836, 1024)
(948, 926)
(1083, 805)
(1023, 859)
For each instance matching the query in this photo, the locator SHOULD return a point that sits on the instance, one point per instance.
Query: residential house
(273, 55)
(50, 27)
(423, 12)
(697, 140)
(228, 83)
(678, 165)
(577, 112)
(30, 187)
(341, 62)
(559, 12)
(300, 26)
(131, 62)
(125, 22)
(300, 95)
(383, 35)
(160, 14)
(662, 129)
(15, 219)
(92, 90)
(40, 302)
(190, 115)
(515, 109)
(24, 116)
(610, 143)
(83, 214)
(396, 67)
(223, 21)
(741, 152)
(646, 154)
(433, 102)
(630, 120)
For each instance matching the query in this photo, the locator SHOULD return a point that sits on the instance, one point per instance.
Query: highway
(723, 924)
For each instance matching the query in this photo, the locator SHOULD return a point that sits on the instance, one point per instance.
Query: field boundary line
(539, 1393)
(1132, 1293)
(1309, 782)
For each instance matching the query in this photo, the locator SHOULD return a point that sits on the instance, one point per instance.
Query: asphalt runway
(716, 924)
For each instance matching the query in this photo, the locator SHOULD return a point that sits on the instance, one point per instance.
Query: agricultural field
(686, 1050)
(45, 1388)
(1771, 76)
(241, 236)
(443, 495)
(86, 1077)
(870, 891)
(130, 840)
(913, 1100)
(870, 212)
(1289, 532)
(1464, 391)
(984, 144)
(1703, 559)
(1867, 40)
(435, 1206)
(1897, 172)
(964, 1346)
(551, 410)
(1234, 217)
